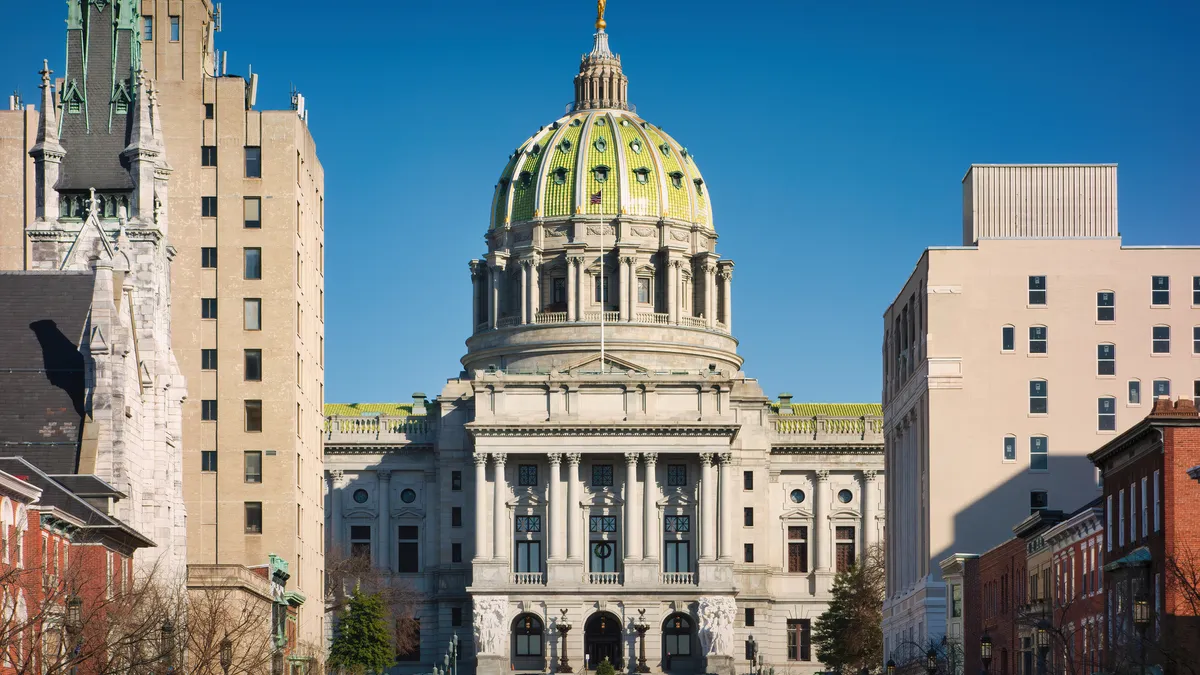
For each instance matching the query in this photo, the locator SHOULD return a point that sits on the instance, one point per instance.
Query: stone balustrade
(678, 578)
(528, 578)
(823, 429)
(604, 578)
(379, 429)
(593, 316)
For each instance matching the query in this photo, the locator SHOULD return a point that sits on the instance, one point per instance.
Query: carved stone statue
(716, 625)
(490, 613)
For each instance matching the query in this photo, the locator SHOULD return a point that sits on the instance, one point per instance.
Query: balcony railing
(822, 428)
(678, 578)
(528, 578)
(604, 578)
(693, 322)
(593, 316)
(413, 429)
(551, 317)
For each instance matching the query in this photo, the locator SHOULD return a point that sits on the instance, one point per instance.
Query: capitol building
(602, 480)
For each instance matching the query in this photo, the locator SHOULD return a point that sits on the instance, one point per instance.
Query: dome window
(600, 121)
(699, 186)
(601, 144)
(666, 149)
(636, 146)
(565, 145)
(559, 175)
(642, 174)
(535, 149)
(600, 173)
(576, 122)
(624, 123)
(685, 154)
(677, 180)
(524, 178)
(503, 183)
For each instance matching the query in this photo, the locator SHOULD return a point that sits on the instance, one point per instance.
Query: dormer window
(524, 179)
(636, 146)
(122, 108)
(601, 144)
(535, 149)
(666, 149)
(642, 174)
(677, 180)
(565, 145)
(74, 107)
(599, 121)
(600, 173)
(576, 122)
(624, 123)
(503, 183)
(699, 186)
(559, 176)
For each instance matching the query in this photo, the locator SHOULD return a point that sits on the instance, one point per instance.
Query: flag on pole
(596, 198)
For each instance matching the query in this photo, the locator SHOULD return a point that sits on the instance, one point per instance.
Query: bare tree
(232, 616)
(344, 573)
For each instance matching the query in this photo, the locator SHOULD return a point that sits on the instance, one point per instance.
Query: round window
(845, 496)
(360, 496)
(797, 496)
(408, 495)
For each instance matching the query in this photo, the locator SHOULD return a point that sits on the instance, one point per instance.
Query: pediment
(677, 497)
(526, 497)
(603, 497)
(615, 364)
(844, 513)
(91, 243)
(796, 514)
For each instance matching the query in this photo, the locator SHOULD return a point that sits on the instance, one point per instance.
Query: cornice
(484, 430)
(822, 449)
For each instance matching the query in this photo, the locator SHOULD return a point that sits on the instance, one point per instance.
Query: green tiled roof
(834, 409)
(368, 409)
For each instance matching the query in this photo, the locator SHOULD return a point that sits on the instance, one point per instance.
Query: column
(821, 540)
(574, 541)
(387, 552)
(633, 516)
(494, 295)
(499, 509)
(535, 288)
(726, 277)
(708, 507)
(631, 288)
(477, 295)
(554, 528)
(622, 295)
(727, 507)
(433, 525)
(480, 504)
(710, 295)
(868, 509)
(336, 525)
(572, 265)
(525, 318)
(673, 291)
(650, 507)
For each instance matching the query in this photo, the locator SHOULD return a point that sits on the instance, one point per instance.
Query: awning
(1139, 557)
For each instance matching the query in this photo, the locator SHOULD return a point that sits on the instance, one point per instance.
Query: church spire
(48, 153)
(600, 82)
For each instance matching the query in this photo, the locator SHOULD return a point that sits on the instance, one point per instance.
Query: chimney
(785, 404)
(1184, 408)
(418, 399)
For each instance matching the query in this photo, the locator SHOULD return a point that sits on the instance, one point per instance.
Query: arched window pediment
(796, 514)
(844, 512)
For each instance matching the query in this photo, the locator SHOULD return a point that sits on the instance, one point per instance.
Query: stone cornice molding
(826, 449)
(601, 429)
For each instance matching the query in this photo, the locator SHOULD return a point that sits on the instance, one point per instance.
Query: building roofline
(12, 484)
(1135, 433)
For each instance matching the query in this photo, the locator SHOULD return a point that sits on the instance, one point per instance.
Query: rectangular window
(1196, 290)
(1162, 388)
(1107, 410)
(1157, 501)
(1108, 515)
(456, 557)
(677, 523)
(677, 556)
(208, 411)
(529, 556)
(527, 475)
(1160, 340)
(456, 612)
(602, 524)
(1038, 500)
(799, 640)
(253, 465)
(147, 28)
(252, 313)
(209, 111)
(1133, 515)
(1039, 453)
(643, 290)
(529, 524)
(1121, 518)
(253, 415)
(1039, 395)
(1106, 359)
(360, 541)
(408, 544)
(208, 258)
(1106, 302)
(749, 617)
(1196, 339)
(254, 521)
(456, 516)
(253, 263)
(253, 162)
(456, 480)
(748, 553)
(414, 653)
(1008, 338)
(797, 549)
(844, 551)
(208, 155)
(174, 29)
(748, 516)
(558, 291)
(603, 557)
(601, 285)
(1135, 392)
(208, 359)
(956, 600)
(253, 365)
(252, 212)
(747, 480)
(1145, 504)
(208, 207)
(208, 460)
(1037, 339)
(602, 475)
(1010, 448)
(1037, 290)
(208, 308)
(676, 475)
(1160, 291)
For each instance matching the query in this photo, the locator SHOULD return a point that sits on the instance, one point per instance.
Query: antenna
(217, 19)
(224, 62)
(252, 89)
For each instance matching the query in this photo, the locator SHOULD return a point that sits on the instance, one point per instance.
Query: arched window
(528, 634)
(677, 635)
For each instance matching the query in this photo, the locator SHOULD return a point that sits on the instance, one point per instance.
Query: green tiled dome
(634, 167)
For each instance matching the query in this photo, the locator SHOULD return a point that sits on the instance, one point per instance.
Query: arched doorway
(528, 643)
(602, 640)
(678, 650)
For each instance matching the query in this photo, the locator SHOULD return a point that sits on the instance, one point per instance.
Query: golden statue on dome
(600, 5)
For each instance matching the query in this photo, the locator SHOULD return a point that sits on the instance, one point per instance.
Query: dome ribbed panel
(500, 200)
(643, 198)
(699, 196)
(559, 199)
(609, 199)
(524, 191)
(678, 201)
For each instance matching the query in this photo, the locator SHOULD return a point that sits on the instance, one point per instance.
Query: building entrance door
(602, 640)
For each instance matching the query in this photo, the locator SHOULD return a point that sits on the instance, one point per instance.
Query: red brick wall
(1002, 589)
(1180, 541)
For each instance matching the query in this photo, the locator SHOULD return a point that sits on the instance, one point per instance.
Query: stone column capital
(869, 475)
(574, 259)
(573, 458)
(629, 259)
(823, 476)
(728, 458)
(650, 457)
(555, 458)
(385, 475)
(632, 457)
(337, 478)
(708, 458)
(499, 458)
(480, 458)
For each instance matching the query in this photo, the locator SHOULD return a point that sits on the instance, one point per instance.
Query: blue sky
(833, 137)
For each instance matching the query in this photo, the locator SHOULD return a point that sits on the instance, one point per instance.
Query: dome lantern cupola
(600, 82)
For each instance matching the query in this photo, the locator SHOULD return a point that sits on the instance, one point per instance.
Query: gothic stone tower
(102, 204)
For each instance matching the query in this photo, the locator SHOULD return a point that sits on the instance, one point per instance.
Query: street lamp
(891, 667)
(641, 626)
(985, 652)
(168, 645)
(226, 655)
(563, 626)
(931, 661)
(1043, 645)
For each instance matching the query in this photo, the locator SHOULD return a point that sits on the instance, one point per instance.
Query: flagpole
(603, 297)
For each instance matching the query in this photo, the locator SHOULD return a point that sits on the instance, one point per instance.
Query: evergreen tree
(605, 668)
(362, 642)
(849, 635)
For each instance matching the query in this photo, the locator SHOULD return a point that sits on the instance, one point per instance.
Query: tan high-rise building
(1008, 359)
(248, 278)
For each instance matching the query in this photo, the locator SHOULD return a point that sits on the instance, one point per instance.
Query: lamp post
(891, 667)
(641, 626)
(74, 629)
(931, 665)
(563, 626)
(226, 655)
(985, 652)
(1043, 645)
(1141, 619)
(167, 645)
(454, 653)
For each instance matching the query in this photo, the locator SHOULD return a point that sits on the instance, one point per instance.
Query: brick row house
(1112, 587)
